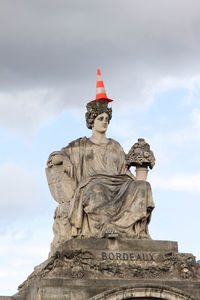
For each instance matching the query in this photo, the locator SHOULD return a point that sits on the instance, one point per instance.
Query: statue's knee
(97, 187)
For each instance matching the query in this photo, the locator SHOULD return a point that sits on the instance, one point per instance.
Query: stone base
(92, 269)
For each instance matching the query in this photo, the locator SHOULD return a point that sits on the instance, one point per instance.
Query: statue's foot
(110, 232)
(143, 236)
(131, 236)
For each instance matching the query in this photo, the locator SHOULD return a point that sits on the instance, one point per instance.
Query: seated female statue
(107, 198)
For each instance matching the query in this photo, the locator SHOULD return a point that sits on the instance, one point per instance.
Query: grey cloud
(58, 45)
(47, 42)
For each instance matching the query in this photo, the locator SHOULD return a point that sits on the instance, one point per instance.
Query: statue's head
(96, 108)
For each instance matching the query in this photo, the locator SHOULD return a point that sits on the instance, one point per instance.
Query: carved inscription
(78, 263)
(123, 256)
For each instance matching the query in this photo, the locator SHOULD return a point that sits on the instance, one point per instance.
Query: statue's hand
(68, 167)
(54, 159)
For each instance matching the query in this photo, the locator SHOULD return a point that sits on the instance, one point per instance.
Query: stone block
(89, 268)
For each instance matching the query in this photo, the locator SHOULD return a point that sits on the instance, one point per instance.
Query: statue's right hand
(54, 160)
(57, 159)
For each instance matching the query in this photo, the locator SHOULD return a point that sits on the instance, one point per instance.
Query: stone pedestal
(111, 268)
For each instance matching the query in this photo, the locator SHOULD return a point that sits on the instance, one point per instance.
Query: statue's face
(101, 123)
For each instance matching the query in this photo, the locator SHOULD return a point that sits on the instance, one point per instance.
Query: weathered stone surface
(102, 248)
(88, 267)
(98, 196)
(140, 155)
(149, 292)
(90, 213)
(110, 290)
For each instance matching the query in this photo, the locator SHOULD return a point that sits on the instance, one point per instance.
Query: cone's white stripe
(99, 78)
(100, 90)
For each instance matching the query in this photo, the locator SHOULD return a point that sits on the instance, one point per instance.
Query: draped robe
(107, 197)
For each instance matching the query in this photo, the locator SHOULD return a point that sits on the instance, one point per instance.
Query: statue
(101, 224)
(90, 178)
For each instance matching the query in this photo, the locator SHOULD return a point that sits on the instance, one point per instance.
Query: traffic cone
(100, 89)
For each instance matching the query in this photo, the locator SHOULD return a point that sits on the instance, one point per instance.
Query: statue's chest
(101, 155)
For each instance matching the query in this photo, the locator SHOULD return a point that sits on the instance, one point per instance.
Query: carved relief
(140, 155)
(87, 264)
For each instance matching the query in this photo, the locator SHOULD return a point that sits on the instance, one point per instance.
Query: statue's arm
(123, 168)
(60, 174)
(128, 172)
(54, 158)
(61, 158)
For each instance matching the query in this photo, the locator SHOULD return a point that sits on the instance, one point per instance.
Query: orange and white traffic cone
(100, 89)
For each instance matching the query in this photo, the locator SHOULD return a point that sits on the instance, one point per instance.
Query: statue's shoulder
(76, 143)
(116, 144)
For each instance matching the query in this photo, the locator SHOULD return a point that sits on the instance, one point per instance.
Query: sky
(148, 53)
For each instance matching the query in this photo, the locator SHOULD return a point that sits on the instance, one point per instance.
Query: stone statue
(98, 196)
(101, 247)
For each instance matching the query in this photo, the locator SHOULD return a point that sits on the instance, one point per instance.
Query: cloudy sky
(148, 53)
